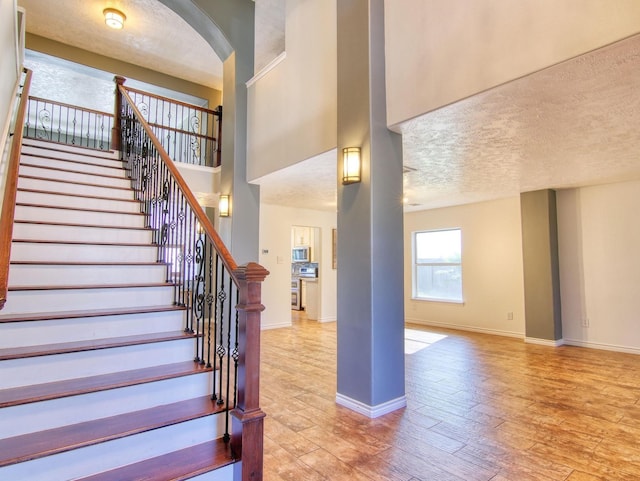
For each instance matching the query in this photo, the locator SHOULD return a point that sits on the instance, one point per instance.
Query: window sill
(436, 299)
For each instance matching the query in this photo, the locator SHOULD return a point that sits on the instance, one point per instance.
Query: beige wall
(9, 68)
(9, 77)
(292, 109)
(599, 235)
(491, 268)
(440, 51)
(127, 70)
(275, 237)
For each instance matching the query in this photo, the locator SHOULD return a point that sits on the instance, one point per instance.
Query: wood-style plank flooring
(480, 408)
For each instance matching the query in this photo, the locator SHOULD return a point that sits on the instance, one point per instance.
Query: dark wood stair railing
(223, 300)
(11, 186)
(189, 133)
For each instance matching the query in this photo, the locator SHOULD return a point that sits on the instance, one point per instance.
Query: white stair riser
(28, 418)
(49, 148)
(33, 333)
(120, 452)
(82, 234)
(73, 176)
(55, 275)
(54, 214)
(108, 168)
(81, 189)
(26, 251)
(81, 299)
(58, 367)
(57, 200)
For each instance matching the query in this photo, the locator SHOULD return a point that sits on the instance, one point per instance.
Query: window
(437, 265)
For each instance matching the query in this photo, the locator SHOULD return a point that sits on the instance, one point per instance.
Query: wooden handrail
(173, 101)
(11, 187)
(205, 223)
(181, 131)
(247, 416)
(69, 106)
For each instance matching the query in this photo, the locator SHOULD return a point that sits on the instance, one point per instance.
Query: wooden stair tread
(73, 387)
(72, 171)
(91, 345)
(73, 224)
(92, 243)
(26, 155)
(80, 209)
(35, 145)
(88, 263)
(52, 441)
(46, 316)
(176, 466)
(67, 194)
(74, 182)
(90, 286)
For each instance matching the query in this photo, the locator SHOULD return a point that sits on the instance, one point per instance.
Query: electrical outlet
(509, 316)
(585, 322)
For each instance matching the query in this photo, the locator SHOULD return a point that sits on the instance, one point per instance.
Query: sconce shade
(351, 166)
(114, 18)
(224, 205)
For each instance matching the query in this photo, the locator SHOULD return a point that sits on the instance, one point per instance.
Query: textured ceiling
(573, 124)
(310, 184)
(153, 36)
(570, 125)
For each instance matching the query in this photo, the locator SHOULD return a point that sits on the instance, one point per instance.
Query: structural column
(370, 222)
(543, 317)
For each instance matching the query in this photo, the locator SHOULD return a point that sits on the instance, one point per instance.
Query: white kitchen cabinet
(311, 297)
(301, 236)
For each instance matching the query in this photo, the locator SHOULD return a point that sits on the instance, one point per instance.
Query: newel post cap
(251, 272)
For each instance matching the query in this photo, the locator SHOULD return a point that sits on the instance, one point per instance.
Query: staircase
(97, 373)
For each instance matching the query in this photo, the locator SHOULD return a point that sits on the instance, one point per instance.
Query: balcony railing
(188, 133)
(67, 124)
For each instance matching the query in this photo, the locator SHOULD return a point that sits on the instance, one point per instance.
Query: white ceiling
(570, 125)
(153, 36)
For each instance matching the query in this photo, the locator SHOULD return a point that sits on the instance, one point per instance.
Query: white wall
(492, 284)
(9, 72)
(292, 109)
(483, 43)
(599, 235)
(275, 237)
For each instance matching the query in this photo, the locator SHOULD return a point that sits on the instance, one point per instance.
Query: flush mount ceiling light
(114, 18)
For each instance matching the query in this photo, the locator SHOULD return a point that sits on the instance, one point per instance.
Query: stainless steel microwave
(300, 254)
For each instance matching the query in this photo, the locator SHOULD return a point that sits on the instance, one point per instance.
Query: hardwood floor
(480, 408)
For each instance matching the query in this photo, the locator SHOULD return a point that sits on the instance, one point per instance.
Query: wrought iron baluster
(220, 349)
(210, 299)
(228, 350)
(217, 315)
(236, 355)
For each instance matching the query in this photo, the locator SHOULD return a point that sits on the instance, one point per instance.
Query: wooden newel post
(247, 432)
(116, 130)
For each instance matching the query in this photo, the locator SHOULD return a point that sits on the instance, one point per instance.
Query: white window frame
(416, 265)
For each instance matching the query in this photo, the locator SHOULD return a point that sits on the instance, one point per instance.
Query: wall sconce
(351, 166)
(224, 206)
(114, 18)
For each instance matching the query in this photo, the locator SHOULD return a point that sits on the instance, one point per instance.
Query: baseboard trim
(481, 330)
(602, 346)
(544, 342)
(371, 411)
(267, 327)
(327, 319)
